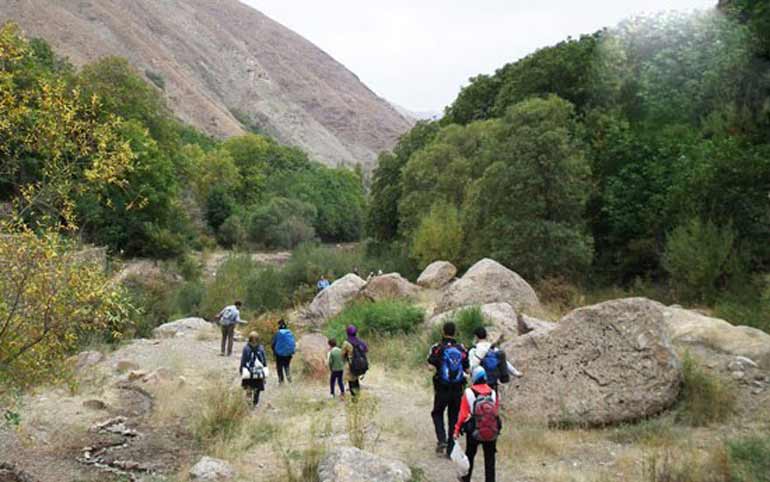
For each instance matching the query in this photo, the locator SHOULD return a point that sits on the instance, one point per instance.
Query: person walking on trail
(450, 359)
(227, 319)
(480, 421)
(354, 352)
(283, 345)
(336, 367)
(253, 367)
(493, 360)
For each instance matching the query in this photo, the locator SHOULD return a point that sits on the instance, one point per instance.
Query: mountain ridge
(226, 67)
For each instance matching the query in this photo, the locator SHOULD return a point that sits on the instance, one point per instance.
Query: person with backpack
(322, 284)
(253, 367)
(227, 319)
(283, 345)
(493, 360)
(480, 421)
(354, 352)
(336, 367)
(450, 359)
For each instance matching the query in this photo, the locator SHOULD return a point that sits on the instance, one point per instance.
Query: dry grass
(705, 398)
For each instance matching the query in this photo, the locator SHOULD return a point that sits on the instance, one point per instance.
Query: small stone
(95, 404)
(757, 391)
(136, 375)
(758, 384)
(738, 375)
(746, 361)
(125, 365)
(210, 469)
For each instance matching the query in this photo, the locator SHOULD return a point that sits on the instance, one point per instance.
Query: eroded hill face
(220, 59)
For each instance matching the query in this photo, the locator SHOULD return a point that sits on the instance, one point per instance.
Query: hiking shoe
(441, 447)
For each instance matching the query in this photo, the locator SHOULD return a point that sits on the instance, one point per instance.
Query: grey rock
(87, 359)
(528, 324)
(349, 464)
(125, 366)
(95, 404)
(331, 301)
(181, 327)
(488, 282)
(601, 365)
(389, 286)
(437, 275)
(501, 316)
(210, 469)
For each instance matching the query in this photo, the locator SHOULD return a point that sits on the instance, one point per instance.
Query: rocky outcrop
(603, 364)
(181, 327)
(312, 349)
(209, 469)
(501, 318)
(349, 464)
(331, 301)
(528, 324)
(437, 275)
(692, 328)
(488, 282)
(389, 286)
(225, 68)
(88, 359)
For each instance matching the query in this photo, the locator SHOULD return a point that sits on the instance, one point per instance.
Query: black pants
(446, 398)
(255, 386)
(336, 377)
(283, 367)
(355, 388)
(228, 333)
(489, 457)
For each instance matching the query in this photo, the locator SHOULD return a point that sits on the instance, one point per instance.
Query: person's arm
(272, 343)
(465, 414)
(434, 355)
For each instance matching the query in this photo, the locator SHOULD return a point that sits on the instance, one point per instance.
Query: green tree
(439, 237)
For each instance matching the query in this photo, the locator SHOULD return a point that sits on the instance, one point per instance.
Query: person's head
(282, 324)
(352, 330)
(449, 329)
(479, 375)
(332, 342)
(238, 304)
(481, 333)
(253, 338)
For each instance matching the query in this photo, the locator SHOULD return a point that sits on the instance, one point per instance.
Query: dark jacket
(436, 351)
(248, 355)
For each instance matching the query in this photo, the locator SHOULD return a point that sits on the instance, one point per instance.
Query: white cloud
(419, 53)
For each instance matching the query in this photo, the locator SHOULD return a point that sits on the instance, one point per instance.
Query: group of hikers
(472, 409)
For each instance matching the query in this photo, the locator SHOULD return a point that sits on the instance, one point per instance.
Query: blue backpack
(284, 343)
(451, 371)
(491, 365)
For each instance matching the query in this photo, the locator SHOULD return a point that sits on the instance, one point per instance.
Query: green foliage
(705, 398)
(746, 302)
(699, 256)
(389, 317)
(220, 205)
(267, 289)
(231, 232)
(154, 301)
(749, 459)
(223, 412)
(283, 223)
(228, 285)
(156, 78)
(440, 236)
(466, 322)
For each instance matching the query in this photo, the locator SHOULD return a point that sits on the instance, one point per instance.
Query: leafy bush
(705, 398)
(189, 297)
(220, 205)
(382, 317)
(750, 459)
(698, 256)
(154, 300)
(439, 236)
(232, 233)
(283, 223)
(746, 302)
(222, 413)
(229, 284)
(309, 261)
(267, 290)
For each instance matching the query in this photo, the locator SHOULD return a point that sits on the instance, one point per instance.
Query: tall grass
(705, 398)
(359, 414)
(222, 412)
(386, 317)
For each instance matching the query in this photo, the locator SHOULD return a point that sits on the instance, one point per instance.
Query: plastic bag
(462, 464)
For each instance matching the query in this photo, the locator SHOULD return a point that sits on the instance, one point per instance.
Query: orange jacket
(466, 405)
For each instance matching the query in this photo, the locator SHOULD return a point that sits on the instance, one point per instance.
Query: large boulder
(331, 301)
(312, 349)
(437, 275)
(528, 324)
(185, 326)
(389, 286)
(349, 464)
(488, 282)
(87, 359)
(691, 328)
(603, 364)
(209, 469)
(501, 318)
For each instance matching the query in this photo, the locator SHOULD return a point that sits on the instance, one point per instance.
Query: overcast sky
(418, 53)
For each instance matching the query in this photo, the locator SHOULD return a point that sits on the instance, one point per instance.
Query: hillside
(222, 65)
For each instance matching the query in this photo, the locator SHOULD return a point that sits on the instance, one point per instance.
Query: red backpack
(485, 418)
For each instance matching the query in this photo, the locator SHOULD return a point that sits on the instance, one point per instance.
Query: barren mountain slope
(217, 57)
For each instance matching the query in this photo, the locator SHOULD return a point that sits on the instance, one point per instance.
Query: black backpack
(358, 363)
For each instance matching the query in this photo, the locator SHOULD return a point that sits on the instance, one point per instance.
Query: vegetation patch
(386, 317)
(705, 398)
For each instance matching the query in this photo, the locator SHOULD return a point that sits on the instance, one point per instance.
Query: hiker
(354, 352)
(227, 319)
(336, 367)
(490, 358)
(480, 421)
(283, 345)
(322, 284)
(253, 367)
(450, 359)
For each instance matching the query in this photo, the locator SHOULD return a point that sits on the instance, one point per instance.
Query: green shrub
(153, 300)
(267, 290)
(698, 257)
(232, 233)
(746, 303)
(467, 321)
(439, 236)
(189, 297)
(750, 459)
(705, 398)
(309, 261)
(228, 285)
(222, 413)
(388, 317)
(283, 223)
